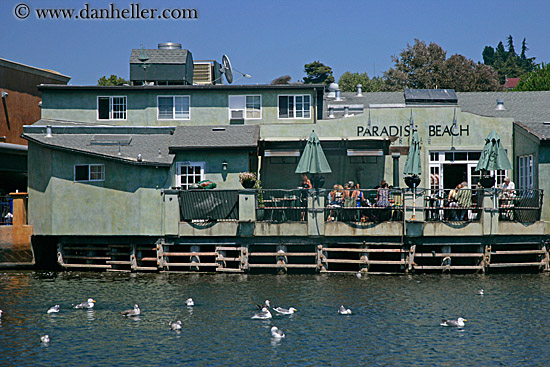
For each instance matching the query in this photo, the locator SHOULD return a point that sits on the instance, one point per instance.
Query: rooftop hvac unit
(202, 73)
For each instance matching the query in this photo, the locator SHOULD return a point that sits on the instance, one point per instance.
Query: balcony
(277, 212)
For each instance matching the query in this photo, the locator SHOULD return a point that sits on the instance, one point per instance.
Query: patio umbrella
(313, 158)
(413, 165)
(493, 155)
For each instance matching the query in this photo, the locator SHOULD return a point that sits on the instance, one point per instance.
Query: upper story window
(245, 107)
(89, 172)
(111, 108)
(174, 107)
(295, 106)
(526, 172)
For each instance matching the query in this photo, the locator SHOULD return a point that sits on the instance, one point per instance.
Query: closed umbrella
(313, 158)
(413, 167)
(493, 155)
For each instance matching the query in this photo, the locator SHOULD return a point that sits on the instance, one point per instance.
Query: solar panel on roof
(431, 96)
(109, 139)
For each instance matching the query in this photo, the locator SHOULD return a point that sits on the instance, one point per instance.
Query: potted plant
(247, 179)
(260, 200)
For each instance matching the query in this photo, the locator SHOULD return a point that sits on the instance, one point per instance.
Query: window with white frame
(526, 168)
(89, 172)
(189, 173)
(174, 107)
(245, 107)
(111, 108)
(295, 106)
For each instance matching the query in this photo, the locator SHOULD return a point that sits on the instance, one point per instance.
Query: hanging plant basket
(412, 181)
(248, 184)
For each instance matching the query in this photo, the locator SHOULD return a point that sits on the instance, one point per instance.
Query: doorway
(453, 174)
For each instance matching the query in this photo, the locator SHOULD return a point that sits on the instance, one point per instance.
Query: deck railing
(446, 206)
(278, 205)
(520, 205)
(6, 210)
(348, 205)
(209, 205)
(281, 205)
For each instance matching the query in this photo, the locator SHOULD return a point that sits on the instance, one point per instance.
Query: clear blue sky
(267, 39)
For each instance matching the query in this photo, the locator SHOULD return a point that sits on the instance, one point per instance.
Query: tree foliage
(318, 73)
(423, 66)
(507, 62)
(348, 82)
(538, 79)
(112, 80)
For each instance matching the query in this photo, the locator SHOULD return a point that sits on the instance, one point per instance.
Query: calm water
(395, 320)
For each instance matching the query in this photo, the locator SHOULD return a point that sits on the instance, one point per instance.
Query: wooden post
(19, 208)
(133, 260)
(244, 257)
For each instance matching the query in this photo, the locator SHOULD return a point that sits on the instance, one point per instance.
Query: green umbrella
(313, 158)
(493, 155)
(413, 165)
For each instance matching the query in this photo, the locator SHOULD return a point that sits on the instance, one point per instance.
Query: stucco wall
(128, 202)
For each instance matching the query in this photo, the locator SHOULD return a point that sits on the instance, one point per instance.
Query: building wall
(208, 107)
(20, 107)
(128, 202)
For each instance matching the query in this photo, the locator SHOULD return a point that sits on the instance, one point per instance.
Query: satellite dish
(227, 69)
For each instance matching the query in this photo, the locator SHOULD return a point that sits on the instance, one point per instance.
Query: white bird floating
(285, 311)
(131, 313)
(480, 292)
(277, 333)
(189, 302)
(457, 323)
(1, 313)
(176, 325)
(54, 309)
(344, 311)
(263, 314)
(86, 305)
(45, 338)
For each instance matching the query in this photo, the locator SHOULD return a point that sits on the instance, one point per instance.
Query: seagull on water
(1, 313)
(285, 311)
(189, 302)
(458, 322)
(89, 304)
(45, 338)
(263, 314)
(266, 304)
(344, 311)
(277, 333)
(54, 309)
(480, 292)
(176, 325)
(133, 312)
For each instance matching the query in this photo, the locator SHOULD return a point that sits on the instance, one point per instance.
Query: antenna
(227, 69)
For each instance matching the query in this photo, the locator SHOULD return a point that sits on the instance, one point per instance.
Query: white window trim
(173, 107)
(294, 97)
(89, 172)
(229, 109)
(180, 164)
(111, 109)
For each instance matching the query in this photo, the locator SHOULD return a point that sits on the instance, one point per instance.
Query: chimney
(346, 111)
(338, 95)
(359, 91)
(48, 131)
(331, 112)
(500, 105)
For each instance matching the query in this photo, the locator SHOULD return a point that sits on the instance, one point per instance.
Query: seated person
(452, 202)
(335, 200)
(464, 200)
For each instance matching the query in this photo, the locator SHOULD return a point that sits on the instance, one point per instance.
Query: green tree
(348, 82)
(538, 79)
(423, 66)
(112, 80)
(507, 62)
(318, 73)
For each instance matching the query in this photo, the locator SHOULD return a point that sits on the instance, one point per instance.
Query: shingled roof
(153, 145)
(156, 56)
